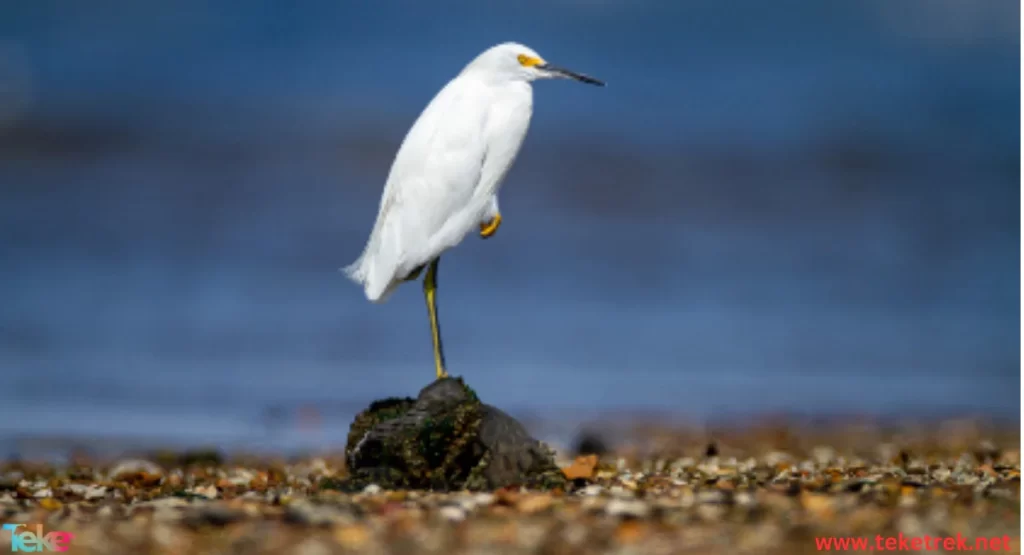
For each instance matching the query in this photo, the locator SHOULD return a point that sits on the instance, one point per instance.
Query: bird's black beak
(561, 71)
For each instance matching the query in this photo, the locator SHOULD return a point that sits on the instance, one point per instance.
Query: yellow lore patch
(529, 61)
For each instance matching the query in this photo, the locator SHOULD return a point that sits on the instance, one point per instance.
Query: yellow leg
(489, 228)
(430, 292)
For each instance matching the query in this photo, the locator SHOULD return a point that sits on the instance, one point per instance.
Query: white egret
(445, 178)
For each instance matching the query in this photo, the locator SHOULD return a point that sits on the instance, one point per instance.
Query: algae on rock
(445, 439)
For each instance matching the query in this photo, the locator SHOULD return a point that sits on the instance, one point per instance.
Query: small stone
(711, 513)
(453, 513)
(353, 537)
(776, 458)
(241, 477)
(631, 508)
(630, 531)
(10, 481)
(712, 496)
(134, 466)
(987, 452)
(163, 503)
(165, 509)
(535, 503)
(823, 455)
(483, 499)
(50, 504)
(619, 491)
(213, 515)
(312, 546)
(209, 491)
(583, 467)
(745, 499)
(88, 492)
(302, 511)
(372, 489)
(820, 505)
(941, 474)
(507, 496)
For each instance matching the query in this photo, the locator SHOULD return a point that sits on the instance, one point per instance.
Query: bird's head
(515, 62)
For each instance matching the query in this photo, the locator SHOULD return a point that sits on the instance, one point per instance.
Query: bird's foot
(491, 227)
(442, 373)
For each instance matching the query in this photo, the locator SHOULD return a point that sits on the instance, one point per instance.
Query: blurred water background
(800, 207)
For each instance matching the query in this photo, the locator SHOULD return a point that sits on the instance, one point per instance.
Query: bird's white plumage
(445, 178)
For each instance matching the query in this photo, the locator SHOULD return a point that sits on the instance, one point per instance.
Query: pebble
(134, 466)
(89, 492)
(621, 492)
(535, 503)
(305, 512)
(162, 503)
(710, 496)
(823, 455)
(730, 504)
(209, 491)
(453, 513)
(241, 477)
(776, 457)
(212, 514)
(745, 499)
(312, 547)
(623, 507)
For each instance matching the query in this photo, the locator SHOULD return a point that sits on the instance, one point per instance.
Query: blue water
(772, 207)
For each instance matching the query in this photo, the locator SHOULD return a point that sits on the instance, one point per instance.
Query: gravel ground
(761, 489)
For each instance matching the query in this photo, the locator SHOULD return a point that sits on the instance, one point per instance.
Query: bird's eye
(528, 61)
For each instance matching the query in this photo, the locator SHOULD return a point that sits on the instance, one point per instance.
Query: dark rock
(194, 457)
(202, 457)
(986, 453)
(212, 515)
(9, 482)
(445, 439)
(590, 443)
(904, 459)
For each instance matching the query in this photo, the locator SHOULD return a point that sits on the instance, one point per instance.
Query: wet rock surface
(445, 439)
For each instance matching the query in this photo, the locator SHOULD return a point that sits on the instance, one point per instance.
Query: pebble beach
(755, 489)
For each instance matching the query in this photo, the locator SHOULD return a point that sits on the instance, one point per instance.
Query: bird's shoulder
(452, 125)
(460, 107)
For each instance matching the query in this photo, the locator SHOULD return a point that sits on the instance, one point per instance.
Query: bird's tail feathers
(374, 270)
(354, 271)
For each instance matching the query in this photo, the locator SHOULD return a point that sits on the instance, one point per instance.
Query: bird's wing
(434, 176)
(504, 130)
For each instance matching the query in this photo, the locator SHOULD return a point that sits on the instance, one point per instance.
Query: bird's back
(442, 177)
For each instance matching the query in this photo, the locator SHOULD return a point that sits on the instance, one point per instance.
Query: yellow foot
(441, 373)
(489, 228)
